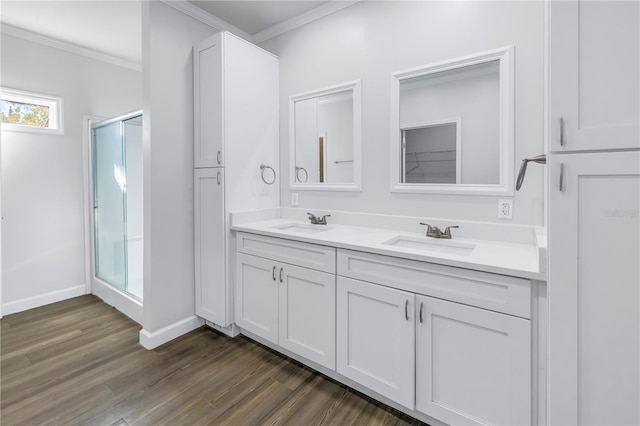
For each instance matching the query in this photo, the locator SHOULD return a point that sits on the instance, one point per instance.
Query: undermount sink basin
(432, 245)
(302, 228)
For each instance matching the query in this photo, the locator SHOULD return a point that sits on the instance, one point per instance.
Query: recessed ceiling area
(255, 16)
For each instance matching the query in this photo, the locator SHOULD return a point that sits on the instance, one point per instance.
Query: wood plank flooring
(79, 362)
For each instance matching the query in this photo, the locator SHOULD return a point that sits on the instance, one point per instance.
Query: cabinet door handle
(406, 309)
(273, 273)
(561, 131)
(280, 274)
(421, 305)
(218, 176)
(218, 156)
(561, 186)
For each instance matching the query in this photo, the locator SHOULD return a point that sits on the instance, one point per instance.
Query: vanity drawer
(498, 293)
(312, 256)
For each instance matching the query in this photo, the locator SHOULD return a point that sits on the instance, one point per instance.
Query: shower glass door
(110, 204)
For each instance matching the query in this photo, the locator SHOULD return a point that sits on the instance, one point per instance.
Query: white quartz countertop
(505, 258)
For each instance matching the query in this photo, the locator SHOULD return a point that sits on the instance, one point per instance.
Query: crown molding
(68, 47)
(298, 21)
(206, 18)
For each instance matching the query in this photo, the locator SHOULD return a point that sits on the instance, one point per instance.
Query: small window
(30, 112)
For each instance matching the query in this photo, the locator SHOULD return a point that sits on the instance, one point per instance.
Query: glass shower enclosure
(117, 202)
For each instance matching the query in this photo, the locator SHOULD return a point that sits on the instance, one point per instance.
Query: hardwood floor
(79, 362)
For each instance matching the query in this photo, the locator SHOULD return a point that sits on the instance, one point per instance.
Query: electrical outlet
(294, 198)
(505, 209)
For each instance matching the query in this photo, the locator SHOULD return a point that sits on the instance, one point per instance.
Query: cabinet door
(208, 103)
(257, 296)
(594, 296)
(307, 313)
(473, 366)
(593, 75)
(375, 338)
(209, 239)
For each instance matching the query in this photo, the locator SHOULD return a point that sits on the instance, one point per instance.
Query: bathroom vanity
(443, 330)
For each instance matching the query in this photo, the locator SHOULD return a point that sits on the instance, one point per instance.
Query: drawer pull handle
(218, 178)
(218, 155)
(406, 309)
(561, 131)
(421, 306)
(280, 274)
(561, 186)
(273, 273)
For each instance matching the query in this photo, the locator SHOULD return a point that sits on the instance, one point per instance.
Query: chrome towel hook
(306, 175)
(540, 159)
(263, 167)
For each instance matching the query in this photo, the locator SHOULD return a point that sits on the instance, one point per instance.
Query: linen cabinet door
(472, 365)
(375, 338)
(209, 240)
(208, 103)
(308, 313)
(257, 296)
(594, 63)
(594, 295)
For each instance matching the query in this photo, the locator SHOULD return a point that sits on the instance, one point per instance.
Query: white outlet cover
(294, 198)
(505, 209)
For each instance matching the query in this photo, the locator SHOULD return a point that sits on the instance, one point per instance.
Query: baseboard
(120, 300)
(153, 340)
(42, 299)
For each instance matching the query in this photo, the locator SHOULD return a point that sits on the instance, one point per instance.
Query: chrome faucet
(435, 232)
(318, 221)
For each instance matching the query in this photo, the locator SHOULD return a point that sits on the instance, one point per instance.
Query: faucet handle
(447, 231)
(312, 218)
(432, 231)
(324, 218)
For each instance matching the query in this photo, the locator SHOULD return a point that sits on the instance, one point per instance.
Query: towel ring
(263, 167)
(306, 175)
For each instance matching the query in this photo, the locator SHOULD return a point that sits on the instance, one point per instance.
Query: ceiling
(113, 27)
(253, 17)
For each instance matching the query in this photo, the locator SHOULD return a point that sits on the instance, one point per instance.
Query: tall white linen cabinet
(235, 133)
(594, 219)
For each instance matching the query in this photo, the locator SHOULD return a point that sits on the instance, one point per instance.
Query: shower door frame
(111, 294)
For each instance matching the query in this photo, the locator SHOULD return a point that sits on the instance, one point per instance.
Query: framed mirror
(325, 137)
(452, 126)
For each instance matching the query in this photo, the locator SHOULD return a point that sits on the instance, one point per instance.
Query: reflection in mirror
(325, 138)
(452, 126)
(431, 153)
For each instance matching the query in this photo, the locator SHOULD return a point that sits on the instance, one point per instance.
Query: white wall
(369, 41)
(43, 183)
(169, 298)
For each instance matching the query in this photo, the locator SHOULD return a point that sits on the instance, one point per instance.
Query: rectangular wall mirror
(326, 139)
(452, 126)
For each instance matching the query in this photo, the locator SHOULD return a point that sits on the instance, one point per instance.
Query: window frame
(56, 112)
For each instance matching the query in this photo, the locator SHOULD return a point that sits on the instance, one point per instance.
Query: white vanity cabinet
(375, 338)
(458, 363)
(235, 132)
(285, 293)
(473, 366)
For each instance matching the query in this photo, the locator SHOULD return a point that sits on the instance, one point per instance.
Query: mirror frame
(506, 126)
(356, 88)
